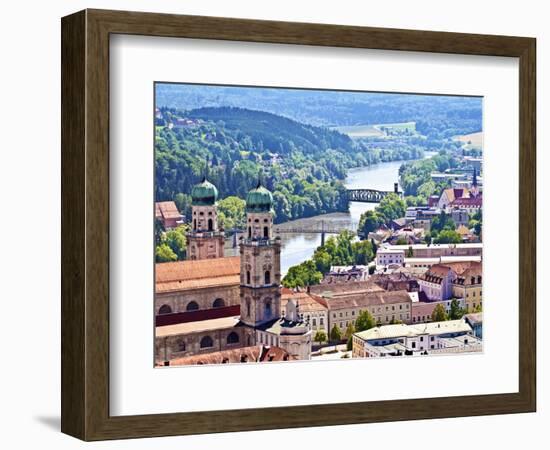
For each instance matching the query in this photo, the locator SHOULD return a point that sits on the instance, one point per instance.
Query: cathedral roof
(257, 353)
(204, 193)
(197, 274)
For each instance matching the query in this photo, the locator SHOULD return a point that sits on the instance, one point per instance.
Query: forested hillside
(436, 117)
(303, 165)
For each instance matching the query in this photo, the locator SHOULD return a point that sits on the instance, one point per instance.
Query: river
(297, 247)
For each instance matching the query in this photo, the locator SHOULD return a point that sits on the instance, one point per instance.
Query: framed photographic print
(252, 210)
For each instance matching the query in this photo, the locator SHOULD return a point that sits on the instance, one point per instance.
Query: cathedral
(212, 303)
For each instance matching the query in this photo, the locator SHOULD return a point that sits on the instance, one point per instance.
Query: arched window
(206, 342)
(268, 308)
(249, 232)
(192, 306)
(225, 360)
(210, 225)
(248, 277)
(165, 309)
(266, 232)
(244, 358)
(181, 346)
(233, 338)
(267, 277)
(218, 303)
(195, 224)
(473, 280)
(247, 307)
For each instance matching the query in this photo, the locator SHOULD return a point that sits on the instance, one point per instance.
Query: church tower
(474, 190)
(260, 262)
(204, 240)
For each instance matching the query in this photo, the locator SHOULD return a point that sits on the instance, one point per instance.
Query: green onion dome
(259, 199)
(204, 193)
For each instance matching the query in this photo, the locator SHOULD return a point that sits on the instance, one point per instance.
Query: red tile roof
(369, 299)
(256, 353)
(306, 302)
(201, 273)
(475, 202)
(166, 210)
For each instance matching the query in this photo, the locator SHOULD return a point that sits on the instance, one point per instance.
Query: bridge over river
(370, 195)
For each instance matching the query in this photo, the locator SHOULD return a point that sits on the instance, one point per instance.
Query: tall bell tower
(260, 262)
(205, 240)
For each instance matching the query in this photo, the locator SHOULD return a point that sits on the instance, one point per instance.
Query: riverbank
(299, 245)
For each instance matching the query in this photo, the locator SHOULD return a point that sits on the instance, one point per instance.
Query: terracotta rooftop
(202, 273)
(166, 210)
(361, 300)
(468, 201)
(474, 270)
(256, 353)
(436, 273)
(339, 289)
(306, 302)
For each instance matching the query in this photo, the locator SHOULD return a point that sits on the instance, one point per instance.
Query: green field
(471, 141)
(363, 131)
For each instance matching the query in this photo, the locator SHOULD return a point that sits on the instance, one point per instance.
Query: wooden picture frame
(85, 224)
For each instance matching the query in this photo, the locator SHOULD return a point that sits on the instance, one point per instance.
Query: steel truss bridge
(370, 195)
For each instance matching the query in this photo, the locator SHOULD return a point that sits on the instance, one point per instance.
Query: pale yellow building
(468, 285)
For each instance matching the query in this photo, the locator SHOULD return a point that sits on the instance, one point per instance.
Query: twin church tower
(260, 268)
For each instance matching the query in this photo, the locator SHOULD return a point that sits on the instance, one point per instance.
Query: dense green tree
(448, 237)
(164, 253)
(231, 213)
(391, 207)
(456, 312)
(320, 336)
(363, 252)
(301, 275)
(349, 345)
(442, 222)
(350, 329)
(335, 334)
(176, 240)
(159, 231)
(370, 221)
(183, 203)
(364, 321)
(342, 250)
(439, 314)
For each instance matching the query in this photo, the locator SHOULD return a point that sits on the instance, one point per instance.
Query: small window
(267, 277)
(165, 309)
(192, 306)
(218, 303)
(233, 338)
(248, 277)
(206, 342)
